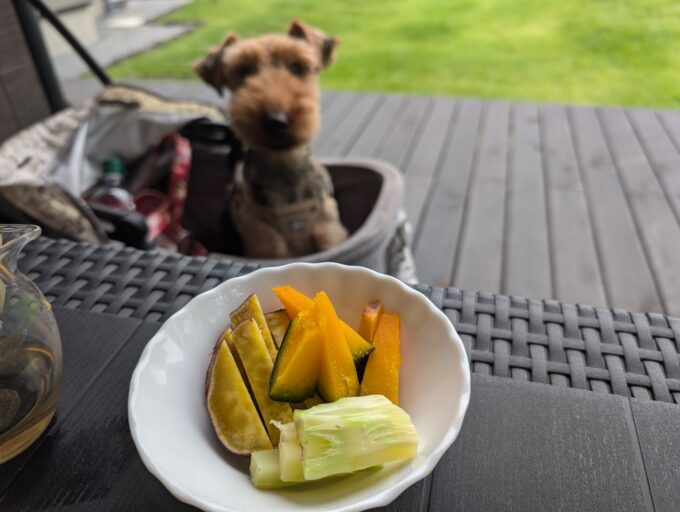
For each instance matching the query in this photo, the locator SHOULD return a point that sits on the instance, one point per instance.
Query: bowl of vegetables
(301, 387)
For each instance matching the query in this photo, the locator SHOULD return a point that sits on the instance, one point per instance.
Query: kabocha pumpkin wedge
(337, 373)
(294, 302)
(278, 322)
(358, 346)
(369, 320)
(381, 376)
(311, 402)
(230, 406)
(258, 366)
(367, 327)
(296, 369)
(307, 403)
(251, 308)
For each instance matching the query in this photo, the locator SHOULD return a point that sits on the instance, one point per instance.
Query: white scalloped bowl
(175, 439)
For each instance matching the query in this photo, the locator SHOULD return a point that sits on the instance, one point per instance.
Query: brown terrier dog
(283, 203)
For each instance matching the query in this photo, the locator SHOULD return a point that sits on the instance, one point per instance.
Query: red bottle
(111, 192)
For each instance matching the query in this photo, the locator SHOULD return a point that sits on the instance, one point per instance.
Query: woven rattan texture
(125, 282)
(577, 346)
(602, 350)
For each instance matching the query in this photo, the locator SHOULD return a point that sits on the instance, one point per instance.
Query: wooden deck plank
(378, 128)
(423, 163)
(659, 136)
(671, 122)
(343, 130)
(333, 116)
(527, 256)
(576, 271)
(436, 239)
(399, 142)
(327, 99)
(656, 222)
(479, 261)
(627, 277)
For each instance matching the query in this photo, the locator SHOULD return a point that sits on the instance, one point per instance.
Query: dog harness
(293, 220)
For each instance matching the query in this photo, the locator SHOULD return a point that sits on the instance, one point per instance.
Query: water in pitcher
(30, 350)
(28, 393)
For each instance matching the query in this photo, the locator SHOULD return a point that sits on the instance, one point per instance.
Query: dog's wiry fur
(274, 109)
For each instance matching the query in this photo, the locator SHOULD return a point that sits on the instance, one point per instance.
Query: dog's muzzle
(276, 123)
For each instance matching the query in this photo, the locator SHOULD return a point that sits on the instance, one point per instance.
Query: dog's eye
(246, 70)
(297, 69)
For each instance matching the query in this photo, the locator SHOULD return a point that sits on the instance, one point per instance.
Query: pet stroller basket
(368, 192)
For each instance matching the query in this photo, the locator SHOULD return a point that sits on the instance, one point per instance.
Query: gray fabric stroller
(46, 169)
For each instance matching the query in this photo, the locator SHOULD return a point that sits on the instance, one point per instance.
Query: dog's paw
(328, 234)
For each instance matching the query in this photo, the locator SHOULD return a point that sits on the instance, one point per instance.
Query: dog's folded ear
(325, 44)
(211, 67)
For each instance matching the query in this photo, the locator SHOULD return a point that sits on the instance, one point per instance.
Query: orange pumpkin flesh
(381, 376)
(337, 373)
(370, 320)
(296, 369)
(295, 301)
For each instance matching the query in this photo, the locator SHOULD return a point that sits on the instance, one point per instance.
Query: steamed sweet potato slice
(230, 406)
(258, 367)
(251, 308)
(278, 322)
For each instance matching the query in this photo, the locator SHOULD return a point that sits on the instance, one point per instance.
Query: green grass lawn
(614, 52)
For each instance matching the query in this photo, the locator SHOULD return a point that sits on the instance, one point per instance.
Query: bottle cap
(114, 165)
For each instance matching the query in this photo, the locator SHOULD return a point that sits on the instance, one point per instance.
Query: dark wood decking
(579, 204)
(575, 203)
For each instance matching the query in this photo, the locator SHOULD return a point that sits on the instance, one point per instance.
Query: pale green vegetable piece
(265, 470)
(290, 454)
(353, 433)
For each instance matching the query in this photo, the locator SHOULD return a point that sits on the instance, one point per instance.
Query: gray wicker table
(573, 408)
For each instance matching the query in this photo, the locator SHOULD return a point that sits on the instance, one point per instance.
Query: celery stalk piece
(290, 454)
(353, 433)
(265, 469)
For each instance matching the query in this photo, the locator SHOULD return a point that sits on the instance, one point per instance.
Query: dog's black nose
(277, 122)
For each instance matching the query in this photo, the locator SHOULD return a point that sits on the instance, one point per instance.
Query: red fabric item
(163, 210)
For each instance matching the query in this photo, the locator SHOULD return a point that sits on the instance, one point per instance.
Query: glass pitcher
(30, 349)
